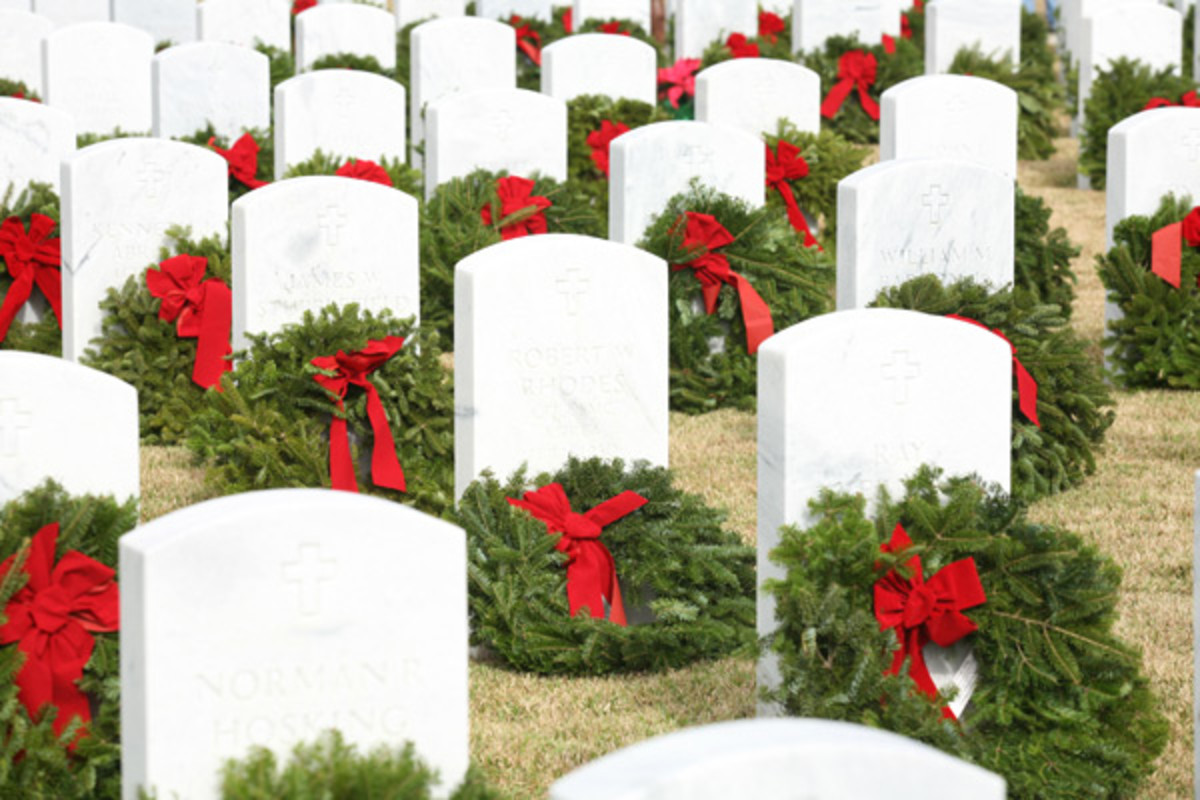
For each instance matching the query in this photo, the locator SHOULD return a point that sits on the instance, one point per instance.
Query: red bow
(1166, 247)
(740, 47)
(302, 5)
(529, 41)
(769, 26)
(32, 258)
(353, 369)
(702, 237)
(20, 95)
(613, 27)
(591, 572)
(568, 20)
(517, 200)
(919, 5)
(52, 618)
(856, 69)
(905, 27)
(783, 166)
(680, 79)
(243, 159)
(599, 140)
(889, 44)
(364, 171)
(1189, 99)
(201, 309)
(924, 612)
(1027, 388)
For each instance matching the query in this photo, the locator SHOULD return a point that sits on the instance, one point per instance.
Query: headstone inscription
(410, 11)
(119, 198)
(100, 73)
(348, 113)
(225, 85)
(637, 11)
(502, 130)
(802, 758)
(245, 22)
(34, 139)
(898, 389)
(698, 23)
(70, 12)
(951, 116)
(267, 618)
(21, 35)
(171, 21)
(64, 421)
(754, 94)
(303, 243)
(651, 164)
(815, 21)
(994, 26)
(599, 63)
(345, 28)
(908, 217)
(561, 349)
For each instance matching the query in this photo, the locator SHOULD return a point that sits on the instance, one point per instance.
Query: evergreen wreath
(535, 34)
(32, 757)
(1155, 344)
(750, 43)
(83, 140)
(354, 61)
(1062, 707)
(796, 282)
(1036, 53)
(43, 336)
(1118, 92)
(17, 89)
(404, 177)
(851, 121)
(1074, 403)
(1042, 255)
(1189, 50)
(452, 229)
(585, 116)
(269, 426)
(146, 352)
(671, 555)
(404, 53)
(264, 168)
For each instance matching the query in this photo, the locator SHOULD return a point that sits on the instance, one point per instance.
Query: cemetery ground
(527, 730)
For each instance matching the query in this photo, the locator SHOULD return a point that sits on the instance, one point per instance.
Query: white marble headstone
(1073, 13)
(118, 199)
(605, 10)
(560, 350)
(500, 130)
(904, 218)
(245, 22)
(341, 112)
(951, 116)
(171, 21)
(699, 23)
(1151, 154)
(952, 25)
(34, 139)
(504, 9)
(64, 421)
(225, 84)
(600, 63)
(69, 12)
(410, 11)
(455, 55)
(860, 399)
(889, 21)
(345, 28)
(755, 93)
(778, 758)
(1149, 33)
(16, 5)
(100, 73)
(268, 618)
(303, 243)
(652, 164)
(21, 35)
(814, 21)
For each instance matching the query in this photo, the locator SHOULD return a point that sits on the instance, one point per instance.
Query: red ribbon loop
(784, 166)
(770, 26)
(923, 612)
(680, 79)
(33, 258)
(741, 47)
(529, 41)
(352, 369)
(591, 571)
(364, 171)
(1166, 247)
(702, 237)
(856, 70)
(201, 309)
(517, 198)
(1027, 388)
(599, 141)
(243, 160)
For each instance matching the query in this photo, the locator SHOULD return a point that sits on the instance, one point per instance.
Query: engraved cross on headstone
(936, 201)
(901, 370)
(151, 176)
(12, 421)
(502, 125)
(331, 220)
(572, 286)
(308, 572)
(696, 156)
(1191, 142)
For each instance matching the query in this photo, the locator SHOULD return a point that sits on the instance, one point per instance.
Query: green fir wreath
(265, 169)
(1156, 343)
(405, 178)
(1062, 707)
(1118, 92)
(585, 115)
(11, 88)
(710, 367)
(672, 557)
(452, 229)
(1074, 403)
(1042, 255)
(32, 758)
(720, 50)
(43, 336)
(356, 61)
(269, 426)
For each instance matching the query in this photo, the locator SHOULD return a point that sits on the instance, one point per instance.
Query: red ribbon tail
(837, 95)
(341, 465)
(18, 293)
(530, 50)
(385, 466)
(868, 104)
(1166, 248)
(616, 606)
(755, 314)
(50, 282)
(1027, 392)
(213, 350)
(795, 215)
